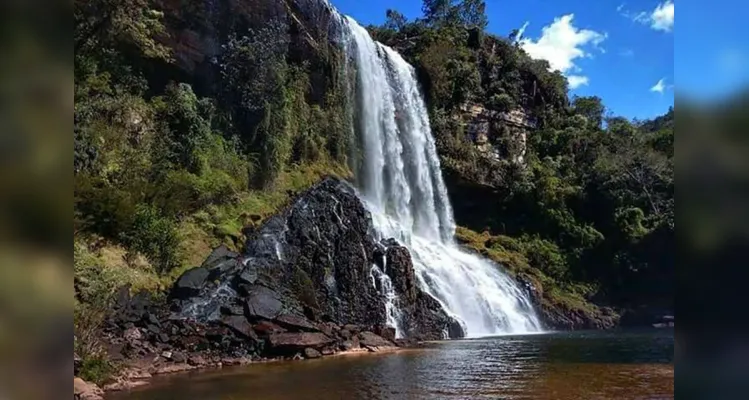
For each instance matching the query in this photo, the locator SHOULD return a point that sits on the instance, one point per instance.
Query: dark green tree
(395, 20)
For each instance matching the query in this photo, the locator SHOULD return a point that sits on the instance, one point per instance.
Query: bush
(155, 236)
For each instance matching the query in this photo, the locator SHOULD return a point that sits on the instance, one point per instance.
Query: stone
(369, 339)
(240, 325)
(311, 353)
(219, 254)
(196, 360)
(267, 328)
(163, 337)
(178, 357)
(295, 322)
(132, 334)
(387, 332)
(122, 296)
(222, 268)
(354, 329)
(455, 330)
(299, 340)
(86, 391)
(248, 275)
(400, 269)
(346, 334)
(347, 345)
(263, 302)
(190, 283)
(232, 309)
(327, 351)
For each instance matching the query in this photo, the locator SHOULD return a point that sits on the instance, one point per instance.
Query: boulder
(263, 302)
(311, 353)
(299, 340)
(240, 325)
(369, 339)
(386, 332)
(218, 255)
(295, 322)
(400, 269)
(190, 283)
(86, 391)
(265, 328)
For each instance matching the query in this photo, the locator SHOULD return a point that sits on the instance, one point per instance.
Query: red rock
(267, 328)
(295, 322)
(86, 391)
(300, 340)
(369, 339)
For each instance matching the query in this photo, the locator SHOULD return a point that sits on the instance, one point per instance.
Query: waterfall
(399, 179)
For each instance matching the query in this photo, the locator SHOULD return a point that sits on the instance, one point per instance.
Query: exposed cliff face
(197, 32)
(309, 265)
(497, 135)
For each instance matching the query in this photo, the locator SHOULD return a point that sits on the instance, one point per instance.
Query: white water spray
(400, 181)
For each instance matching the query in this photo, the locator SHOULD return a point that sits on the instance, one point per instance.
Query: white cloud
(575, 81)
(660, 19)
(560, 44)
(521, 31)
(659, 87)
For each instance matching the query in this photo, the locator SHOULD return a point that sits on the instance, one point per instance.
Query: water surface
(580, 365)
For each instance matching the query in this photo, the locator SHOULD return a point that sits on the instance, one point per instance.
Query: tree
(473, 13)
(110, 23)
(438, 12)
(395, 20)
(591, 107)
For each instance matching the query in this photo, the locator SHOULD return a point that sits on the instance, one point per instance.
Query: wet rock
(190, 283)
(263, 302)
(86, 391)
(232, 309)
(369, 339)
(218, 255)
(400, 269)
(311, 353)
(248, 275)
(299, 340)
(386, 332)
(455, 330)
(327, 351)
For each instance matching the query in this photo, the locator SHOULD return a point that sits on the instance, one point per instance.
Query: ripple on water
(623, 365)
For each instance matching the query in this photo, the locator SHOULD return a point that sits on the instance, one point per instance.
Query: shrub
(156, 236)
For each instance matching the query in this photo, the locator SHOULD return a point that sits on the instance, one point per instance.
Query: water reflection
(632, 365)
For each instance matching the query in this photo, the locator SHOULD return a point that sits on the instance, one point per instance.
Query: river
(566, 365)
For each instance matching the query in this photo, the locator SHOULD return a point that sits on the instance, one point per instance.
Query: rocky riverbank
(306, 285)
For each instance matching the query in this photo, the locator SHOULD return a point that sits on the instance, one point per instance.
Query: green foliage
(154, 235)
(96, 368)
(394, 20)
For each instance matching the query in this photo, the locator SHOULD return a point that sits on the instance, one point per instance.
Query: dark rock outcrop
(301, 288)
(308, 269)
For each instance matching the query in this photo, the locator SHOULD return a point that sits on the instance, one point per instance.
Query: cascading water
(399, 179)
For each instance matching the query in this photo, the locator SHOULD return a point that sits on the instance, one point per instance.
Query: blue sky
(619, 50)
